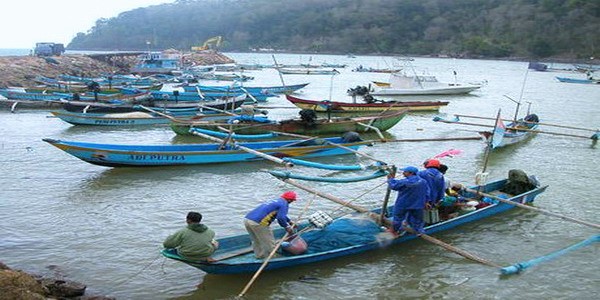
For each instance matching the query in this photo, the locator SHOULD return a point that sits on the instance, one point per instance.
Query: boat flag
(498, 133)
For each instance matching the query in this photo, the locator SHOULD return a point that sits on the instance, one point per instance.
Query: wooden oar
(545, 124)
(388, 223)
(520, 129)
(246, 149)
(549, 213)
(264, 264)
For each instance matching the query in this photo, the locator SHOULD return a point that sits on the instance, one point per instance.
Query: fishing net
(343, 232)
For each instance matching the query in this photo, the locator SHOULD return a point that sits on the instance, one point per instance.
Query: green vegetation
(469, 28)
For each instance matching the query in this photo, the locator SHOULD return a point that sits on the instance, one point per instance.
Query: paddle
(388, 223)
(264, 264)
(549, 213)
(545, 124)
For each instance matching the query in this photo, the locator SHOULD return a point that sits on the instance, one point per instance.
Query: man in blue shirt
(258, 221)
(412, 193)
(435, 180)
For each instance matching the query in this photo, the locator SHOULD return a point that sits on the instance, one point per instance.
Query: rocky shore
(21, 71)
(16, 284)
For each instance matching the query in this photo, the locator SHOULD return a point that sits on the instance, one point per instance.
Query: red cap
(432, 163)
(289, 195)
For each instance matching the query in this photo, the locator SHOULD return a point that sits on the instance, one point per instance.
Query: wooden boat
(577, 80)
(308, 71)
(118, 155)
(344, 107)
(512, 135)
(281, 89)
(134, 118)
(317, 126)
(198, 96)
(235, 253)
(375, 70)
(174, 109)
(406, 85)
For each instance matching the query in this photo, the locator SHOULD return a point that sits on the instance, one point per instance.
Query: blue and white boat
(118, 155)
(360, 235)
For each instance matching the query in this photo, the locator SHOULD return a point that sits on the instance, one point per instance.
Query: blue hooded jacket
(268, 211)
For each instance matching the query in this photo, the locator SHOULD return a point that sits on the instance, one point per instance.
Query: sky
(26, 22)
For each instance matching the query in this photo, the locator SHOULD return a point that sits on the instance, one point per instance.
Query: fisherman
(195, 242)
(435, 180)
(258, 221)
(410, 203)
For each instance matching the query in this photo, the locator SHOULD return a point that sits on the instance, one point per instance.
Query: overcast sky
(26, 22)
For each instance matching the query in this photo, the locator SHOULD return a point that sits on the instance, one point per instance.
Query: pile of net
(343, 232)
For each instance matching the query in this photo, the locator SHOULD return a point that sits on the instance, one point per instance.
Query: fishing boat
(308, 71)
(347, 107)
(346, 235)
(119, 155)
(307, 125)
(135, 118)
(578, 80)
(513, 132)
(407, 85)
(174, 109)
(281, 89)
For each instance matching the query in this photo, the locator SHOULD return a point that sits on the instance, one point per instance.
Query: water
(104, 227)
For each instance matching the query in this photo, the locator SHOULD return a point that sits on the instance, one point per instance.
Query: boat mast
(481, 177)
(520, 97)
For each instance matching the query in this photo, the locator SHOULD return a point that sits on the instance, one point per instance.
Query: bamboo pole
(549, 213)
(388, 223)
(264, 264)
(545, 124)
(333, 144)
(246, 149)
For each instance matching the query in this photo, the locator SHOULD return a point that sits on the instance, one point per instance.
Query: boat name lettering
(156, 157)
(113, 121)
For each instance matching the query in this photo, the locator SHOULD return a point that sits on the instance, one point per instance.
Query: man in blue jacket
(435, 180)
(258, 221)
(412, 193)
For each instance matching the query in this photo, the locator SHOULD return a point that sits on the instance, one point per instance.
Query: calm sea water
(104, 226)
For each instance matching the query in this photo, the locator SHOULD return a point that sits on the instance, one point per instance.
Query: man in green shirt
(195, 242)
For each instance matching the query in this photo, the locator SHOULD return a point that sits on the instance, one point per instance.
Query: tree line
(465, 28)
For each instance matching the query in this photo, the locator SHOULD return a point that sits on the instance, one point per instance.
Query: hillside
(463, 28)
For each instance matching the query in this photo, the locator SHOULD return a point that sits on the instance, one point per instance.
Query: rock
(22, 70)
(63, 288)
(20, 285)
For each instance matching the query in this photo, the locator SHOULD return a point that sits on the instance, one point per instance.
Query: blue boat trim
(323, 166)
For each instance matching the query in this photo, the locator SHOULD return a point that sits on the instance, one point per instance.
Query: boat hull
(115, 155)
(337, 125)
(248, 264)
(343, 107)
